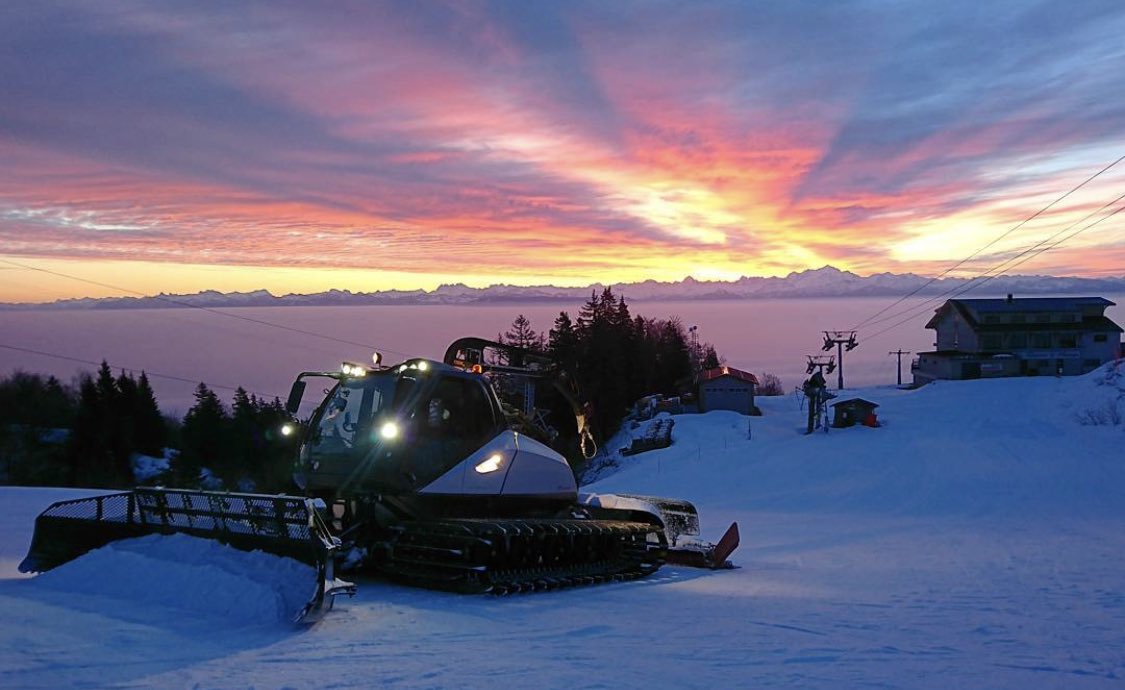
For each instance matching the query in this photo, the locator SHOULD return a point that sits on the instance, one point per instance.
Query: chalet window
(992, 318)
(1019, 318)
(1043, 318)
(1068, 340)
(1017, 341)
(1100, 337)
(1041, 340)
(990, 341)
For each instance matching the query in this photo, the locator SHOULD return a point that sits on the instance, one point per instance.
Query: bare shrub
(769, 384)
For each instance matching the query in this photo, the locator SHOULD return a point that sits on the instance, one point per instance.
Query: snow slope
(977, 539)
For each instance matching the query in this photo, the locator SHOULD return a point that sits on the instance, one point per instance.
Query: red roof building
(727, 388)
(718, 372)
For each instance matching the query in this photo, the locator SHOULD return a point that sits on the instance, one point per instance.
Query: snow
(148, 467)
(977, 539)
(198, 577)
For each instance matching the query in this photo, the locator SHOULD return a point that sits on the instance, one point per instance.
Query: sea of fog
(765, 335)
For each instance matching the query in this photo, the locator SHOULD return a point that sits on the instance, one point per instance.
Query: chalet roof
(1025, 304)
(970, 309)
(719, 372)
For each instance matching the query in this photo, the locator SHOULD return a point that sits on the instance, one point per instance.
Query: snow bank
(1000, 447)
(192, 575)
(148, 467)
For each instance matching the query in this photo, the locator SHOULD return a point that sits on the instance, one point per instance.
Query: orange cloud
(506, 146)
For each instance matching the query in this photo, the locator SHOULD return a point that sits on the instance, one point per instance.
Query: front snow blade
(287, 526)
(681, 527)
(701, 554)
(328, 586)
(68, 529)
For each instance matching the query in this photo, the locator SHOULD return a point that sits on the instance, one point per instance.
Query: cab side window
(459, 409)
(455, 421)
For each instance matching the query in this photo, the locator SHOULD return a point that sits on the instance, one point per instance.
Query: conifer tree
(562, 342)
(151, 433)
(247, 439)
(88, 449)
(205, 437)
(123, 414)
(675, 357)
(711, 357)
(522, 335)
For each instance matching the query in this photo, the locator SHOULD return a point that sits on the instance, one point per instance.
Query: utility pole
(900, 352)
(843, 340)
(696, 360)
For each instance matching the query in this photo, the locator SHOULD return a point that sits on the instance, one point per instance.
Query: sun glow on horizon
(371, 148)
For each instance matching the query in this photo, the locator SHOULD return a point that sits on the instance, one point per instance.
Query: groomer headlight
(350, 369)
(389, 431)
(490, 464)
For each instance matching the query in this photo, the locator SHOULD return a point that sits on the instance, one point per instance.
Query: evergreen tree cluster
(240, 449)
(116, 418)
(35, 411)
(615, 357)
(87, 434)
(51, 433)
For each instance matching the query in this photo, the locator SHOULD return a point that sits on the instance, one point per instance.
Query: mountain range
(827, 281)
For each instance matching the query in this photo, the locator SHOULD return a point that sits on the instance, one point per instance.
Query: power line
(134, 370)
(989, 244)
(965, 287)
(182, 303)
(984, 279)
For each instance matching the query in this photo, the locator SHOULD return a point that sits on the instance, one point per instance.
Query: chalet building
(980, 338)
(727, 388)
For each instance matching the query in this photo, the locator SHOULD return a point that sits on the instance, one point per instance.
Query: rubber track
(508, 556)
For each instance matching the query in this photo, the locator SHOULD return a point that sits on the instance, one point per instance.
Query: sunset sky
(305, 146)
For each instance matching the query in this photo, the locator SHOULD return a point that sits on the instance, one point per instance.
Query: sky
(298, 147)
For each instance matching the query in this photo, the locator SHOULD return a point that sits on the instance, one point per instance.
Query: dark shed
(854, 411)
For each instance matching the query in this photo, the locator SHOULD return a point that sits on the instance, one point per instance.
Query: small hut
(854, 411)
(726, 388)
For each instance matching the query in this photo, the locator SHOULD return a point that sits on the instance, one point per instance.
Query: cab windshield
(347, 417)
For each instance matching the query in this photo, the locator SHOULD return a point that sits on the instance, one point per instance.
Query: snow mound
(198, 576)
(148, 467)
